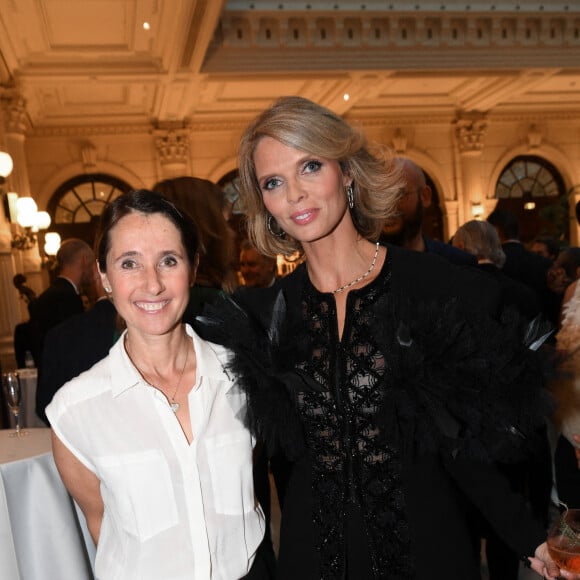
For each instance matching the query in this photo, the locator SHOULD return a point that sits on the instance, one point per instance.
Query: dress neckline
(382, 275)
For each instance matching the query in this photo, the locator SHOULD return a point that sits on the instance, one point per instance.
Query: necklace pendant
(174, 406)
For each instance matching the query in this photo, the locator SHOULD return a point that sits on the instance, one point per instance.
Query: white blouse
(172, 510)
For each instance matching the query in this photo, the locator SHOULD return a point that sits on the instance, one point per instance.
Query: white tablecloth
(43, 536)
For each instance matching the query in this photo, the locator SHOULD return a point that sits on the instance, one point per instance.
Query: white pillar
(469, 133)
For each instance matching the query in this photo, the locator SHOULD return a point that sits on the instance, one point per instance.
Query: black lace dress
(391, 428)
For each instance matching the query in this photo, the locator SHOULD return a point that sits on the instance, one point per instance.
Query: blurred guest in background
(205, 202)
(61, 299)
(545, 246)
(258, 271)
(75, 345)
(523, 265)
(405, 228)
(22, 338)
(480, 238)
(26, 293)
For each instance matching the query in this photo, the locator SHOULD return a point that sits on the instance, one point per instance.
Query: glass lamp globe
(27, 209)
(6, 165)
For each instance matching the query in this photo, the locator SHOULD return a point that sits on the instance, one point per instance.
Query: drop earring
(350, 196)
(277, 234)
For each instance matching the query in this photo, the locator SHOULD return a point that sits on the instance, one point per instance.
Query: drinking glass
(564, 541)
(13, 394)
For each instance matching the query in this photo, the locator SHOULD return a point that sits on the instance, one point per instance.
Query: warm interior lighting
(41, 221)
(530, 205)
(146, 26)
(26, 212)
(51, 243)
(477, 210)
(30, 220)
(6, 166)
(346, 96)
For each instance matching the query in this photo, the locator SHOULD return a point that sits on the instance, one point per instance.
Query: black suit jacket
(72, 347)
(532, 270)
(514, 292)
(57, 303)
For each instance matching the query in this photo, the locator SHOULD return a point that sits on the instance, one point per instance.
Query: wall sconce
(6, 166)
(477, 210)
(31, 221)
(51, 247)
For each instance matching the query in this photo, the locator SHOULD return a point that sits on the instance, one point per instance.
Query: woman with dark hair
(381, 373)
(205, 202)
(151, 441)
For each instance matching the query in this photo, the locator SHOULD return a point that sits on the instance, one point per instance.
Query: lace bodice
(350, 465)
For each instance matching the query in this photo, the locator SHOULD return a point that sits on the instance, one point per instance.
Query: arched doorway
(534, 190)
(76, 206)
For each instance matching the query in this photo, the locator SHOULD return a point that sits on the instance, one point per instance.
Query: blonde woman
(375, 369)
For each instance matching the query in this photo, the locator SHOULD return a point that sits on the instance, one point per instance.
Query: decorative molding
(90, 130)
(89, 157)
(172, 147)
(470, 133)
(534, 138)
(15, 115)
(260, 39)
(399, 142)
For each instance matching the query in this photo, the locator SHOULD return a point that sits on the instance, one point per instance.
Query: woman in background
(204, 202)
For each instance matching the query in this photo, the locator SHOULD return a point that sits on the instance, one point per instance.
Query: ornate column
(173, 152)
(470, 130)
(12, 311)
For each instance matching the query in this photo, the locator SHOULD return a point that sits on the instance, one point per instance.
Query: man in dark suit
(61, 299)
(523, 265)
(407, 229)
(74, 346)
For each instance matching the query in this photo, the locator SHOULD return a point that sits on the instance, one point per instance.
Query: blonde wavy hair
(302, 124)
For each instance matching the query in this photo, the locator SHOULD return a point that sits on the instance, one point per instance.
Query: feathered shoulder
(265, 340)
(460, 380)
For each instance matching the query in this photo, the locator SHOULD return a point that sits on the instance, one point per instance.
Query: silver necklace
(363, 276)
(173, 404)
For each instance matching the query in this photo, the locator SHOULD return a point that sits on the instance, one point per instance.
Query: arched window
(534, 190)
(77, 204)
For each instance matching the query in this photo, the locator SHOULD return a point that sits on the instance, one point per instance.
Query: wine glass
(13, 394)
(564, 541)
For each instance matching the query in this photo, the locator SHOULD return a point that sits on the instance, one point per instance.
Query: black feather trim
(460, 381)
(263, 364)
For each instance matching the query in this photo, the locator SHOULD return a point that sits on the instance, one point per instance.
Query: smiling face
(304, 193)
(148, 272)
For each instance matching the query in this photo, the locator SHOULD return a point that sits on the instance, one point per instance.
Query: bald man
(406, 229)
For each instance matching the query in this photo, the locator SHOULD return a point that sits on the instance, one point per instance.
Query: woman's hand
(543, 564)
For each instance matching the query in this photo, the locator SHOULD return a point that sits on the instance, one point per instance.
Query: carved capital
(14, 113)
(172, 147)
(89, 156)
(534, 137)
(470, 134)
(399, 142)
